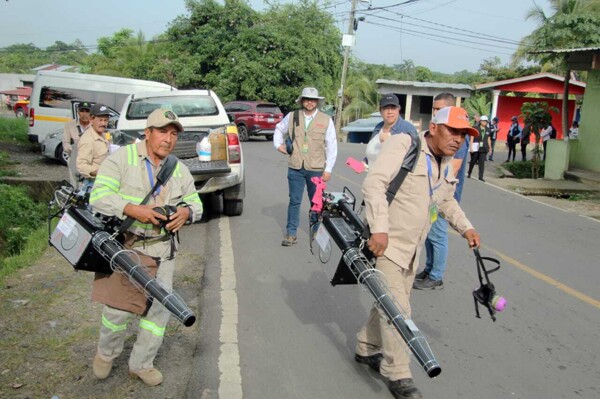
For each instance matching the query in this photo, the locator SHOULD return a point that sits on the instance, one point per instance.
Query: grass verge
(14, 130)
(35, 245)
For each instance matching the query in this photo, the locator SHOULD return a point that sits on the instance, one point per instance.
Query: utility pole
(339, 109)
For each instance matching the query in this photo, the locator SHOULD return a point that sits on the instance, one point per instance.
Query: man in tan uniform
(400, 228)
(93, 147)
(73, 130)
(313, 153)
(122, 182)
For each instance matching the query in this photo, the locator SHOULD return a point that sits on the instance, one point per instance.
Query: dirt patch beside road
(50, 328)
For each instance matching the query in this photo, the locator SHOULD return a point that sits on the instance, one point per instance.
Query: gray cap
(389, 99)
(99, 110)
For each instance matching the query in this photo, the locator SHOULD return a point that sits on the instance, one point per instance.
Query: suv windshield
(183, 106)
(268, 109)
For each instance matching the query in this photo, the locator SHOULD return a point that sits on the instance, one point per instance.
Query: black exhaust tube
(123, 259)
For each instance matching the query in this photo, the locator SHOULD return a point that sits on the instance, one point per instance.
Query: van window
(183, 106)
(61, 98)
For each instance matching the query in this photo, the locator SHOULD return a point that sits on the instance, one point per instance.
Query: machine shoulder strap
(161, 179)
(408, 165)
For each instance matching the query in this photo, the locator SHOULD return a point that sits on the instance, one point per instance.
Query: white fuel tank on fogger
(81, 237)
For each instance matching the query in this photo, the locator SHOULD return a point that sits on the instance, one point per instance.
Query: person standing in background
(512, 138)
(312, 152)
(93, 147)
(495, 129)
(480, 147)
(436, 243)
(73, 131)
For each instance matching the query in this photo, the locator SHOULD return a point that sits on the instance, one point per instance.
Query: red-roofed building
(504, 107)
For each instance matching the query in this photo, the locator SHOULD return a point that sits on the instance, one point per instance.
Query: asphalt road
(273, 326)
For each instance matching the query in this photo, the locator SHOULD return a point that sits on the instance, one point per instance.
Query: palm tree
(362, 94)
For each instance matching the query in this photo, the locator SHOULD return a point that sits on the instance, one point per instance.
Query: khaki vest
(313, 139)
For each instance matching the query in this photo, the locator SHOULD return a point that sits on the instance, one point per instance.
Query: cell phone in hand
(355, 165)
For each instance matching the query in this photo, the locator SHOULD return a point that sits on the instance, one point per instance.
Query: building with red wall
(504, 107)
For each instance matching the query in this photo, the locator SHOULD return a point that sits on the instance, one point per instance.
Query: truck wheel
(233, 207)
(243, 133)
(20, 113)
(61, 155)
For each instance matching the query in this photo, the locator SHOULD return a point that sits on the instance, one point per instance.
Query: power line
(479, 34)
(515, 46)
(427, 36)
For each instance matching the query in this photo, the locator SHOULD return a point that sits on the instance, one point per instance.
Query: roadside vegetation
(523, 169)
(23, 236)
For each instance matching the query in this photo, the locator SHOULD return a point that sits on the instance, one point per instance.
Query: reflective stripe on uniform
(147, 226)
(99, 192)
(132, 155)
(194, 197)
(153, 328)
(108, 182)
(112, 326)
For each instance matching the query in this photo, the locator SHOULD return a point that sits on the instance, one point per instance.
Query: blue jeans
(86, 185)
(436, 247)
(297, 179)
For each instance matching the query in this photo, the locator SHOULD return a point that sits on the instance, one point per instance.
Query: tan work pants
(152, 326)
(377, 336)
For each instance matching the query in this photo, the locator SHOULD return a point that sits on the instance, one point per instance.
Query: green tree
(361, 94)
(537, 116)
(571, 24)
(244, 54)
(479, 103)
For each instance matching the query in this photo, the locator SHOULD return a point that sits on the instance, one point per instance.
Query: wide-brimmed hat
(455, 117)
(163, 117)
(309, 92)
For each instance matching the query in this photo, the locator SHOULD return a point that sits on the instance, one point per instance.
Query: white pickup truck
(199, 111)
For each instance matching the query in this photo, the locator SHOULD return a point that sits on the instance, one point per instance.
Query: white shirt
(546, 133)
(330, 138)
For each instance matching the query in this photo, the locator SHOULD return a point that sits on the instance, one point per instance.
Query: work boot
(428, 284)
(373, 361)
(421, 275)
(289, 241)
(101, 367)
(151, 377)
(404, 388)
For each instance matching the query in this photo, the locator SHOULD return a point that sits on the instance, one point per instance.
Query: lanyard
(151, 178)
(430, 175)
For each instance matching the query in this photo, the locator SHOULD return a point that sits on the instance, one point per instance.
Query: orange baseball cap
(455, 117)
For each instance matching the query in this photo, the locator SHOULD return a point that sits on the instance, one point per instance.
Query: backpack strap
(161, 179)
(296, 123)
(408, 165)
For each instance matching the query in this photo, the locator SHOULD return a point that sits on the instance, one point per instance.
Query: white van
(54, 94)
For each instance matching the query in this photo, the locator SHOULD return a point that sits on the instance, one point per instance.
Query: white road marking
(230, 381)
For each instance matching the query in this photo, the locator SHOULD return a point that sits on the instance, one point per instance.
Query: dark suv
(254, 118)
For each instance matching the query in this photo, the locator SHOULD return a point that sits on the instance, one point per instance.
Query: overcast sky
(442, 35)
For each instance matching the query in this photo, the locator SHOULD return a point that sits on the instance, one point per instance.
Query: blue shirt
(461, 154)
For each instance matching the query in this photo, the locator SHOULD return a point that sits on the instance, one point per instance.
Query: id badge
(305, 148)
(433, 213)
